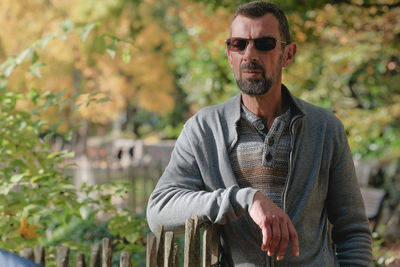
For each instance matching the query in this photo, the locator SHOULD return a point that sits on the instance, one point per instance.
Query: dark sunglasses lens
(265, 43)
(236, 44)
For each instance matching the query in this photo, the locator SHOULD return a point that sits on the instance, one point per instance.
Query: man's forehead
(265, 25)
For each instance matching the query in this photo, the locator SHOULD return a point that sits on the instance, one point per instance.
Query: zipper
(289, 175)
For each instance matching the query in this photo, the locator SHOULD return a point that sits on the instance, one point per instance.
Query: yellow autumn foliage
(26, 230)
(146, 81)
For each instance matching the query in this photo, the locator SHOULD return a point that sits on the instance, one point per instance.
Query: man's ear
(290, 52)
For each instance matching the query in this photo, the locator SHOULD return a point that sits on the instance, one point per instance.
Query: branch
(368, 5)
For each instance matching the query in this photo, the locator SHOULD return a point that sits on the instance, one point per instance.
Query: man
(273, 170)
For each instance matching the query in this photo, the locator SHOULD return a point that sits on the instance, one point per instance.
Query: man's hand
(277, 228)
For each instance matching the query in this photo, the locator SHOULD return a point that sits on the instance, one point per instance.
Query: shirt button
(268, 157)
(270, 141)
(260, 127)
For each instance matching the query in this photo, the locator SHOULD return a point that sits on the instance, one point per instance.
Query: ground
(389, 254)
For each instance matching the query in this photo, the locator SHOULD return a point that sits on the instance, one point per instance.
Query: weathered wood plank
(192, 243)
(175, 262)
(107, 252)
(40, 255)
(151, 251)
(215, 245)
(62, 256)
(95, 255)
(160, 245)
(168, 249)
(207, 246)
(80, 260)
(27, 253)
(125, 260)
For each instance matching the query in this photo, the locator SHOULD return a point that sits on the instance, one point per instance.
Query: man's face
(256, 71)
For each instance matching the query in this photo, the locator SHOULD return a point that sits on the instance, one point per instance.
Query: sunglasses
(237, 44)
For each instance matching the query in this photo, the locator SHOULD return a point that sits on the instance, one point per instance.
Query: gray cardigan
(321, 186)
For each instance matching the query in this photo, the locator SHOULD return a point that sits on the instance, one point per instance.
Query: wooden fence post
(175, 262)
(160, 245)
(95, 255)
(107, 252)
(215, 247)
(62, 256)
(40, 255)
(207, 246)
(192, 243)
(169, 249)
(80, 260)
(27, 253)
(125, 260)
(151, 251)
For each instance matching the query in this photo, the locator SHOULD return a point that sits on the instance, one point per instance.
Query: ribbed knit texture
(260, 158)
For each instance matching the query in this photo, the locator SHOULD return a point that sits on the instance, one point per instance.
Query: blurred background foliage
(173, 62)
(145, 66)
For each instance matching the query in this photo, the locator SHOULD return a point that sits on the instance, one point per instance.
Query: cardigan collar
(232, 112)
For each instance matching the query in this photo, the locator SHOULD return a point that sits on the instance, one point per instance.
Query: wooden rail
(163, 252)
(37, 255)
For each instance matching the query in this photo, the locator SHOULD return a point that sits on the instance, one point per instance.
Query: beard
(255, 86)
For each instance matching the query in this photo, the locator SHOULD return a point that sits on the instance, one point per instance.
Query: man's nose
(250, 52)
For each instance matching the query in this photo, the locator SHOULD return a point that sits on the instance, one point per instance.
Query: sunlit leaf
(104, 99)
(16, 178)
(24, 54)
(35, 69)
(112, 48)
(99, 44)
(88, 28)
(126, 56)
(45, 40)
(34, 57)
(67, 25)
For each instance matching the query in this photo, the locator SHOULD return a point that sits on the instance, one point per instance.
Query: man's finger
(275, 237)
(266, 233)
(294, 241)
(284, 242)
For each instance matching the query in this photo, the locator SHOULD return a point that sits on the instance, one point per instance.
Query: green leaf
(3, 84)
(112, 48)
(16, 178)
(34, 95)
(34, 57)
(24, 54)
(8, 66)
(86, 30)
(67, 25)
(35, 69)
(45, 40)
(104, 99)
(126, 56)
(132, 237)
(68, 136)
(99, 44)
(77, 107)
(60, 94)
(36, 178)
(67, 154)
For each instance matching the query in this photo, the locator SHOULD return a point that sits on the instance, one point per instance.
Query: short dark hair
(258, 9)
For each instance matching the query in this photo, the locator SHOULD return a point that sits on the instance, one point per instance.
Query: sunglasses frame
(255, 40)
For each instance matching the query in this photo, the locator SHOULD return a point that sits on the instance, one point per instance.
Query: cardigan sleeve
(181, 193)
(350, 231)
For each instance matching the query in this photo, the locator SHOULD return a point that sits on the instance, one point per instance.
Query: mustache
(251, 66)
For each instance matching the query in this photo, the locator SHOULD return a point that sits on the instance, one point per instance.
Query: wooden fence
(37, 255)
(163, 252)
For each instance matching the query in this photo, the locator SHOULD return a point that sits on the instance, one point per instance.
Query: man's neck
(267, 106)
